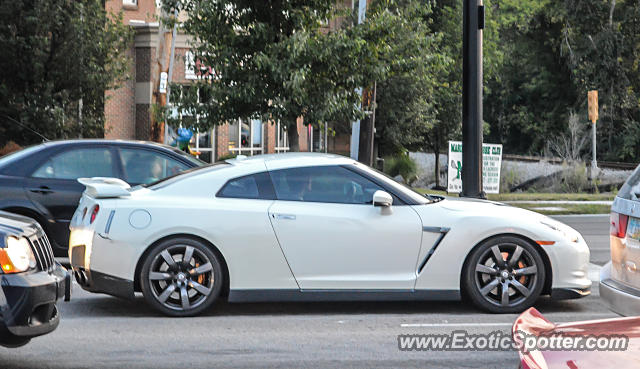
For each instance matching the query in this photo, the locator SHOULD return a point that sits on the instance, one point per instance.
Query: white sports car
(308, 227)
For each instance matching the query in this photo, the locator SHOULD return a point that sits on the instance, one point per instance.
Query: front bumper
(29, 309)
(618, 297)
(570, 269)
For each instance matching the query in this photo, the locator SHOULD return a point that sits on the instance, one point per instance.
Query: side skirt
(341, 295)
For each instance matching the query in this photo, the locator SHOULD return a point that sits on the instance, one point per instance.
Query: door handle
(41, 190)
(284, 216)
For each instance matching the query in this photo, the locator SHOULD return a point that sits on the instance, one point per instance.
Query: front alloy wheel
(181, 277)
(504, 275)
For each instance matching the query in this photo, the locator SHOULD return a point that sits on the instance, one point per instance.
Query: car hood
(531, 322)
(485, 207)
(15, 225)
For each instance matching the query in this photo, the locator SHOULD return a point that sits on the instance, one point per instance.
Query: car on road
(31, 281)
(620, 278)
(41, 181)
(308, 227)
(592, 344)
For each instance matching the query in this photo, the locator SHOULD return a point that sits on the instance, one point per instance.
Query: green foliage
(552, 53)
(403, 166)
(54, 53)
(227, 157)
(274, 61)
(508, 178)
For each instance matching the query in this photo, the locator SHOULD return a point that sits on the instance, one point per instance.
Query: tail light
(96, 208)
(618, 226)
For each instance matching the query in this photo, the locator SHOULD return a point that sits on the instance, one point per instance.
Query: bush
(227, 157)
(509, 178)
(9, 148)
(574, 179)
(403, 166)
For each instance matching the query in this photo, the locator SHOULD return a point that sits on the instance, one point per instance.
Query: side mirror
(381, 198)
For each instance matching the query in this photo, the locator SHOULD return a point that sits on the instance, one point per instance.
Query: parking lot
(102, 331)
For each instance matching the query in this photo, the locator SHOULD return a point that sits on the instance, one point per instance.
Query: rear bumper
(29, 309)
(94, 281)
(618, 297)
(97, 282)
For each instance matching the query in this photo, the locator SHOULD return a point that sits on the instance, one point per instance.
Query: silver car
(620, 278)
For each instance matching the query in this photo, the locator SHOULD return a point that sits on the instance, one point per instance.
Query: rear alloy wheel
(504, 275)
(181, 277)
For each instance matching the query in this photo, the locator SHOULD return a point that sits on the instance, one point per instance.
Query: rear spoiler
(104, 187)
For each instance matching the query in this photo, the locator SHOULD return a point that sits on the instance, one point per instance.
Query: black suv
(31, 281)
(41, 181)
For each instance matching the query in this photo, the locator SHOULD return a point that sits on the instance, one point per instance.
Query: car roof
(104, 141)
(291, 159)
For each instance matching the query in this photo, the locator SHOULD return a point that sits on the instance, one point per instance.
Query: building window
(194, 69)
(201, 142)
(282, 141)
(130, 3)
(246, 137)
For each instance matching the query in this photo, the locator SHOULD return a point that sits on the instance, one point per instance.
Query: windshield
(418, 197)
(182, 175)
(18, 154)
(631, 188)
(191, 158)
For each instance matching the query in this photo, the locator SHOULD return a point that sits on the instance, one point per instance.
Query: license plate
(633, 229)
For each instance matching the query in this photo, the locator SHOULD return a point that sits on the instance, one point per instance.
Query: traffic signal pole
(473, 23)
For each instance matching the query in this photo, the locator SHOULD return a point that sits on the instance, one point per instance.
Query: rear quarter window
(631, 188)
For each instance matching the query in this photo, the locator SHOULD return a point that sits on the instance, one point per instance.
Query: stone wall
(512, 172)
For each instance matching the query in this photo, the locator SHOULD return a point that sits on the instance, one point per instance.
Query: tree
(530, 94)
(405, 109)
(601, 44)
(411, 112)
(276, 61)
(55, 53)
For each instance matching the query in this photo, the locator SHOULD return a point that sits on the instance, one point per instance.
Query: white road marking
(496, 324)
(444, 325)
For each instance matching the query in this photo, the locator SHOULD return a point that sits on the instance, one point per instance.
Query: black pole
(472, 99)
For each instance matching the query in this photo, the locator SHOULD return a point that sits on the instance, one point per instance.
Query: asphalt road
(100, 331)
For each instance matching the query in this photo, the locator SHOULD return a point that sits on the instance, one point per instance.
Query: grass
(567, 209)
(526, 196)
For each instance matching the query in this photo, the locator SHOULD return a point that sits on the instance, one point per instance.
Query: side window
(77, 163)
(331, 184)
(144, 166)
(254, 186)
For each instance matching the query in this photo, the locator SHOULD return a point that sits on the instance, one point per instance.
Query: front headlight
(572, 236)
(16, 256)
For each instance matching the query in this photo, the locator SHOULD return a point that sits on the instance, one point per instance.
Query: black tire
(9, 340)
(181, 288)
(509, 285)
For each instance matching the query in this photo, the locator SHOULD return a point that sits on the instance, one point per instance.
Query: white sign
(491, 163)
(163, 83)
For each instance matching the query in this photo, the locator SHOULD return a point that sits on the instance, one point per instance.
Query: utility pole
(593, 117)
(355, 126)
(368, 128)
(163, 51)
(473, 23)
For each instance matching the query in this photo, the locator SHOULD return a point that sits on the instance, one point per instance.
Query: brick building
(128, 109)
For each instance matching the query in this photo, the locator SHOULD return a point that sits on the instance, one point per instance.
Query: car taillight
(94, 213)
(618, 226)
